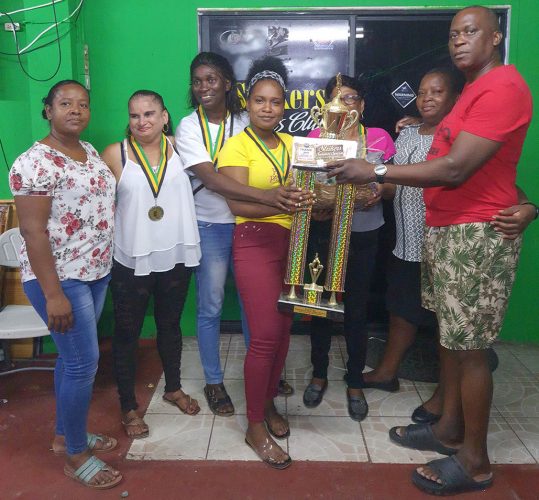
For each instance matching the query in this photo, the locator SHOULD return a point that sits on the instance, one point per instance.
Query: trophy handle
(351, 119)
(315, 115)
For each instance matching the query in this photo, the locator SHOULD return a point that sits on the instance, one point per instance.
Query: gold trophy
(333, 119)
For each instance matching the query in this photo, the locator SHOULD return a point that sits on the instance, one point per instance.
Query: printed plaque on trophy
(309, 157)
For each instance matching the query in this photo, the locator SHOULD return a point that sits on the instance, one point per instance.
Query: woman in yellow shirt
(259, 157)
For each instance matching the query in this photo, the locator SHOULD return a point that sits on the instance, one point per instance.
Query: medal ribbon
(363, 140)
(155, 179)
(212, 147)
(281, 167)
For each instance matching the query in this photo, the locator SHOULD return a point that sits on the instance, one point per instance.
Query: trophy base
(321, 310)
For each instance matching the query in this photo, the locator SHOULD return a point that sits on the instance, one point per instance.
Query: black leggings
(361, 260)
(130, 297)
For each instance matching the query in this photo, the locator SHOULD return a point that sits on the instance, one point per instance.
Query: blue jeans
(210, 275)
(78, 354)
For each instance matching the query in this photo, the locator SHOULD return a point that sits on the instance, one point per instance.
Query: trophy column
(299, 236)
(340, 238)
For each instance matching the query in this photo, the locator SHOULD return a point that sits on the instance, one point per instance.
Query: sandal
(423, 416)
(217, 399)
(420, 437)
(274, 434)
(109, 443)
(263, 455)
(191, 408)
(284, 388)
(135, 421)
(454, 478)
(88, 470)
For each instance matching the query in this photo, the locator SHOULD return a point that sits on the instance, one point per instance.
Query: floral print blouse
(81, 221)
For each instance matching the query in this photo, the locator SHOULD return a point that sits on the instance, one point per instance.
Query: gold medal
(156, 213)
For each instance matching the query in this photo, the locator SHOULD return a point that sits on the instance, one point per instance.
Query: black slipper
(423, 416)
(420, 437)
(455, 479)
(357, 406)
(314, 394)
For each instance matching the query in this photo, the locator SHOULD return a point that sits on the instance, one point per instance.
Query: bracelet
(534, 206)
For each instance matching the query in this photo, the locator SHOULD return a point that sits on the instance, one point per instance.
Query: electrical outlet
(12, 26)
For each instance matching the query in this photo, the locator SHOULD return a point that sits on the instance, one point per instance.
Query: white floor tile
(173, 437)
(331, 439)
(393, 404)
(527, 430)
(326, 433)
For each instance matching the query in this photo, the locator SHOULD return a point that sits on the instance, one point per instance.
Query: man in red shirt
(469, 267)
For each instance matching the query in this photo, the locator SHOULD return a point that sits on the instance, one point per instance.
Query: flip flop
(88, 470)
(268, 460)
(176, 403)
(420, 437)
(91, 440)
(136, 421)
(455, 479)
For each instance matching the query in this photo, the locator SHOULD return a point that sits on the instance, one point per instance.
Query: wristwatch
(380, 171)
(533, 205)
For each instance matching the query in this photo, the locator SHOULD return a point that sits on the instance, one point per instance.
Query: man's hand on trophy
(290, 198)
(351, 171)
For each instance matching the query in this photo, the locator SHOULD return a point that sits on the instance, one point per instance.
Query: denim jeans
(78, 354)
(210, 276)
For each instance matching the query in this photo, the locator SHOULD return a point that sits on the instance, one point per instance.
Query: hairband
(265, 75)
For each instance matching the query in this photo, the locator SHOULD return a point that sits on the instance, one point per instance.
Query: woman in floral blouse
(64, 194)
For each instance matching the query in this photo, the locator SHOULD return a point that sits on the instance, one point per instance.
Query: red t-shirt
(496, 106)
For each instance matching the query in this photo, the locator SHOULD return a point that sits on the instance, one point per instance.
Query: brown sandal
(109, 444)
(136, 421)
(218, 399)
(186, 409)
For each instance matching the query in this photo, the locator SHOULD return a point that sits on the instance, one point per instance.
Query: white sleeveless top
(155, 246)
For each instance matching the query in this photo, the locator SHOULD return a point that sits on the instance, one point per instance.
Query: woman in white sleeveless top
(156, 245)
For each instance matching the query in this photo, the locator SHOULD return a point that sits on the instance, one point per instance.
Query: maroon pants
(260, 251)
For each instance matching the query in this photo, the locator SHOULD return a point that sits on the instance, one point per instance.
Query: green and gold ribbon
(362, 140)
(212, 147)
(155, 179)
(282, 168)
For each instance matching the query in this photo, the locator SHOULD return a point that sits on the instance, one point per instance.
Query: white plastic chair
(17, 321)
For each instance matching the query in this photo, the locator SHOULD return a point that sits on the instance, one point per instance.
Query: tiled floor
(327, 433)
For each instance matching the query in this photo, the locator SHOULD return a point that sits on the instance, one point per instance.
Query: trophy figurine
(308, 157)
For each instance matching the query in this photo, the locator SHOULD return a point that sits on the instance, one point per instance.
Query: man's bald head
(486, 13)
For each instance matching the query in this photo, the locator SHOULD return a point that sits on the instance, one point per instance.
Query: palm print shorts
(467, 274)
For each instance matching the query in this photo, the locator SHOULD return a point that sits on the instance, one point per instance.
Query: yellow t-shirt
(241, 151)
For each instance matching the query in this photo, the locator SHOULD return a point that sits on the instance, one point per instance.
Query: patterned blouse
(80, 224)
(408, 205)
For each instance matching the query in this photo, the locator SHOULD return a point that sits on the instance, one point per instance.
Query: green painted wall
(141, 44)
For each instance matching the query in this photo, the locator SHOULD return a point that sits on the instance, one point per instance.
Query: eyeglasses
(350, 98)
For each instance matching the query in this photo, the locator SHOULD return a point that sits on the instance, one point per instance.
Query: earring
(165, 128)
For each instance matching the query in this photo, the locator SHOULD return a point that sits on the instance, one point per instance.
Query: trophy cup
(308, 157)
